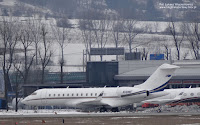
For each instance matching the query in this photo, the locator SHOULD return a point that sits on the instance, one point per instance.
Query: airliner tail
(159, 79)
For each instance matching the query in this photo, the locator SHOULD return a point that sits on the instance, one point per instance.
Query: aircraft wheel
(115, 109)
(159, 110)
(103, 109)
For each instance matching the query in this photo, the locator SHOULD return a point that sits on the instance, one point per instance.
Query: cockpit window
(34, 93)
(181, 93)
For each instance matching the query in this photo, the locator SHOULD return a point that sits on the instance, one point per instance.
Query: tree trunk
(61, 73)
(42, 81)
(5, 80)
(101, 57)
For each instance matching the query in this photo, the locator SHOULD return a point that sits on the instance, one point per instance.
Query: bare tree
(26, 40)
(156, 26)
(185, 55)
(86, 27)
(193, 36)
(36, 37)
(162, 42)
(17, 64)
(131, 32)
(101, 33)
(145, 53)
(166, 50)
(45, 51)
(61, 35)
(178, 36)
(9, 36)
(117, 29)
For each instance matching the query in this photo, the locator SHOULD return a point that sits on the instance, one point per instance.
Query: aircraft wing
(95, 102)
(92, 103)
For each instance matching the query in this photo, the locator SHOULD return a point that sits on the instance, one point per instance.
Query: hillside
(152, 38)
(145, 10)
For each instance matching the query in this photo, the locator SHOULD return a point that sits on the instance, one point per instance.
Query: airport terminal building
(135, 72)
(121, 73)
(130, 73)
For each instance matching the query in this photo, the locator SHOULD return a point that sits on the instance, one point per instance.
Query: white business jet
(104, 98)
(176, 95)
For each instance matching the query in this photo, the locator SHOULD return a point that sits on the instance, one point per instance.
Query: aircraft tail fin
(158, 80)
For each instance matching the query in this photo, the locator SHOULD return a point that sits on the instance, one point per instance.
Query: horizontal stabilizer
(161, 101)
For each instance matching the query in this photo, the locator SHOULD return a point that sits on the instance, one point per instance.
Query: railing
(51, 77)
(70, 76)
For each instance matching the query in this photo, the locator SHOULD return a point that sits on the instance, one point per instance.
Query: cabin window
(63, 94)
(58, 94)
(67, 94)
(192, 94)
(54, 94)
(72, 94)
(185, 94)
(91, 94)
(49, 95)
(77, 94)
(86, 94)
(95, 94)
(198, 93)
(81, 94)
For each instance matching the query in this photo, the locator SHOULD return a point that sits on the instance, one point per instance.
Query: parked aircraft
(104, 98)
(176, 95)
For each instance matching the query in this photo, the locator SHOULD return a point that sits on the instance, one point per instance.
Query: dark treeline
(67, 7)
(128, 9)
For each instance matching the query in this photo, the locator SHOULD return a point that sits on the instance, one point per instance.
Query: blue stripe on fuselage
(160, 88)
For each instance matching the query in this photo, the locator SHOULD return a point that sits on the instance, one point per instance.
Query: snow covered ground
(164, 109)
(55, 112)
(39, 112)
(8, 2)
(73, 52)
(176, 109)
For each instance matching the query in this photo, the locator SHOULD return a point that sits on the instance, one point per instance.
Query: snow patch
(39, 112)
(8, 2)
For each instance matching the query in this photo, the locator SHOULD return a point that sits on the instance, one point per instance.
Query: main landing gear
(103, 109)
(115, 109)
